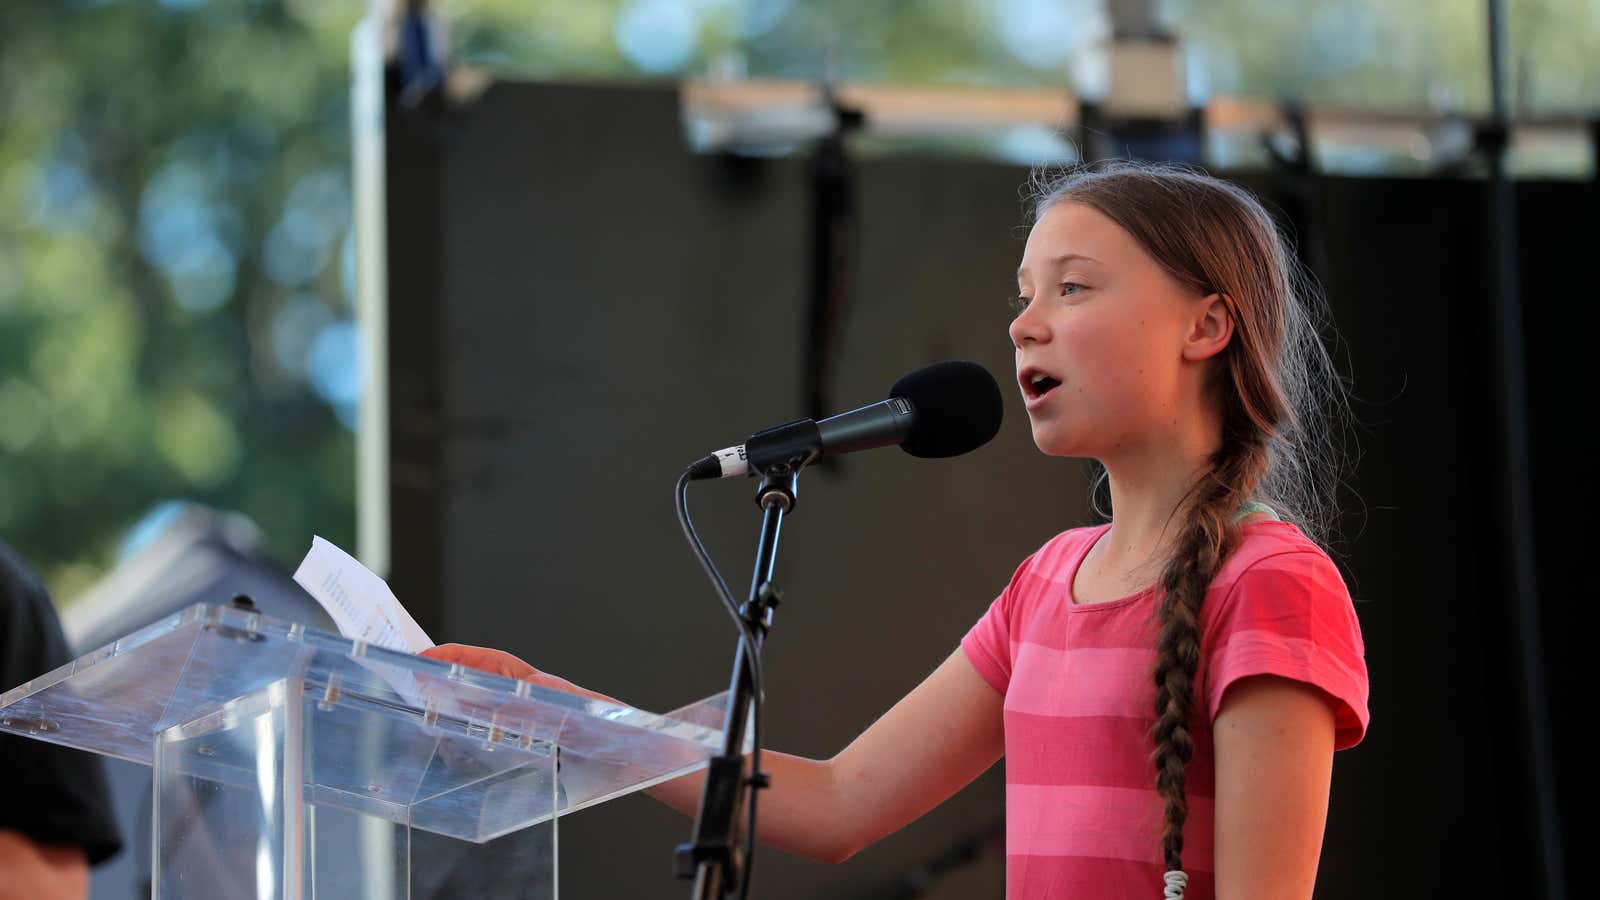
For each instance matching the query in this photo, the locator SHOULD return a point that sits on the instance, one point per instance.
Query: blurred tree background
(175, 273)
(176, 270)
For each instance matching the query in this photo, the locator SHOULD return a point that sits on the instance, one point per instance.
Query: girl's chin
(1051, 442)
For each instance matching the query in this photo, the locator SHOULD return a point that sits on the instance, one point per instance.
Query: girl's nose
(1028, 328)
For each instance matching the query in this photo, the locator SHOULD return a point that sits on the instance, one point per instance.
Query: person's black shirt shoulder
(51, 794)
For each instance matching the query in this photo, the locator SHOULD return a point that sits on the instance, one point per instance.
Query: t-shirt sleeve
(1290, 615)
(58, 795)
(988, 643)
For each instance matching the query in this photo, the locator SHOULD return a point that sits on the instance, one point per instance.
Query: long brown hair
(1282, 407)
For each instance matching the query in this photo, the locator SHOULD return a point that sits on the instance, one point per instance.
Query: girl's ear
(1211, 328)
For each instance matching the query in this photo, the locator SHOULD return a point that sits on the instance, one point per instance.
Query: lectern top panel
(391, 734)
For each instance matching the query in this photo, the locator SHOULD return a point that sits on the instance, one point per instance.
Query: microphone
(945, 409)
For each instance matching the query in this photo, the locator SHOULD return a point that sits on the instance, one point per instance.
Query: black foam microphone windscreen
(957, 406)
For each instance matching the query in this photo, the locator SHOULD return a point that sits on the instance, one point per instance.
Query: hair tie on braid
(1176, 882)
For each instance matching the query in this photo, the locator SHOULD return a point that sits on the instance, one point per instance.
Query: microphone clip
(784, 450)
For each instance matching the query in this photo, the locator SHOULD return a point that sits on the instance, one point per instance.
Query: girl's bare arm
(939, 737)
(1273, 739)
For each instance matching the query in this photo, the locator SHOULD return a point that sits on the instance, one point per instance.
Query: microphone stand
(712, 859)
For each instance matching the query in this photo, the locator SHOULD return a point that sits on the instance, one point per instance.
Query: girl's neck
(1145, 498)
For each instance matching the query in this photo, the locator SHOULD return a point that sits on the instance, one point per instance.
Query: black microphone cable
(752, 658)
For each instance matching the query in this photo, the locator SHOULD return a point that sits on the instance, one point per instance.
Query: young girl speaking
(1168, 689)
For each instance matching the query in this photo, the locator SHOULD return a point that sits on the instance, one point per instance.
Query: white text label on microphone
(733, 461)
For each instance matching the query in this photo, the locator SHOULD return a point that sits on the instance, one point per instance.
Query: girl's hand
(499, 662)
(484, 659)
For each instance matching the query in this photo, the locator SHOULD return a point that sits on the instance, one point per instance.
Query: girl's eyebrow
(1057, 261)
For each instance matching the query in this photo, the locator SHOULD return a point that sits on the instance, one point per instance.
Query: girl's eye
(1020, 303)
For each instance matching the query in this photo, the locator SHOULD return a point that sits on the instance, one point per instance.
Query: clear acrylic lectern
(291, 763)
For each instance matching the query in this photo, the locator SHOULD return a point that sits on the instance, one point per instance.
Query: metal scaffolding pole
(1512, 462)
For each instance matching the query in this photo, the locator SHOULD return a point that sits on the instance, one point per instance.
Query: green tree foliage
(174, 213)
(1424, 55)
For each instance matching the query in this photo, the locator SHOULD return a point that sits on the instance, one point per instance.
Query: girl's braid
(1208, 536)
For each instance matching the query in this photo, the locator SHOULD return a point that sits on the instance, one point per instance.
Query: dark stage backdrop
(579, 307)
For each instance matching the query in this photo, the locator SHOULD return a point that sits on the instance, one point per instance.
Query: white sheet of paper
(360, 603)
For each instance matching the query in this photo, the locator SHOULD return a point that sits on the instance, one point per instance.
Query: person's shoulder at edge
(15, 575)
(22, 601)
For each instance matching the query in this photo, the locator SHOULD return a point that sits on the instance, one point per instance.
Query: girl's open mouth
(1036, 385)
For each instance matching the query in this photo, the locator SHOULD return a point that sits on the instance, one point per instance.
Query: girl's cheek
(1090, 348)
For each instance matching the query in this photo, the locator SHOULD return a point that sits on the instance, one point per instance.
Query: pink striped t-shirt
(1083, 819)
